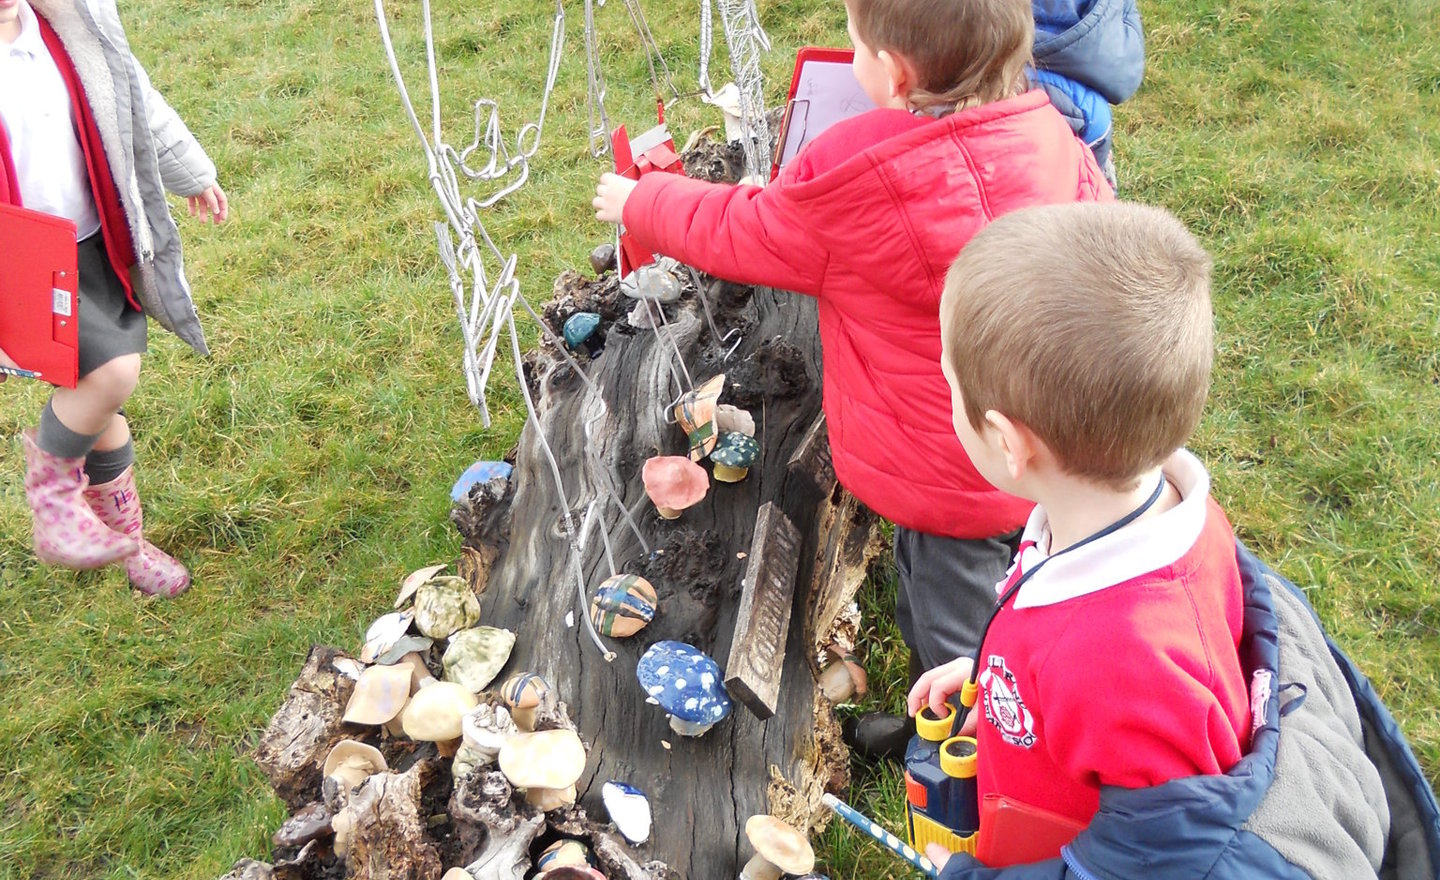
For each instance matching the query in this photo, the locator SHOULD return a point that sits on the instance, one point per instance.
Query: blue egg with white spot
(686, 684)
(480, 472)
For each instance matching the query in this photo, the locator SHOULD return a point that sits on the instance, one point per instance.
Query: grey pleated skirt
(109, 325)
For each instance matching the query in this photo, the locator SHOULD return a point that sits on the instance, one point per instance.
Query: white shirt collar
(1139, 548)
(29, 42)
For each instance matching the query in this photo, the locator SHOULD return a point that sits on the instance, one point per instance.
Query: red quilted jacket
(868, 219)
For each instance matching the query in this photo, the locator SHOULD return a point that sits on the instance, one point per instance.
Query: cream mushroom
(732, 418)
(434, 713)
(546, 764)
(779, 849)
(674, 483)
(458, 874)
(379, 695)
(351, 762)
(842, 676)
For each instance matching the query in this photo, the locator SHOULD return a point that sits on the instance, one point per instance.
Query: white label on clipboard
(61, 302)
(825, 93)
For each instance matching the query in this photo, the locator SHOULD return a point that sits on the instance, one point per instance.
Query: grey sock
(102, 467)
(56, 439)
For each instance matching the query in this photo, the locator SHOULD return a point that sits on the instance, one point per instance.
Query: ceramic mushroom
(483, 730)
(695, 413)
(413, 580)
(674, 483)
(379, 695)
(779, 849)
(732, 418)
(842, 676)
(384, 633)
(573, 872)
(733, 456)
(458, 874)
(523, 693)
(445, 605)
(475, 656)
(480, 472)
(629, 809)
(623, 605)
(351, 762)
(434, 713)
(546, 764)
(687, 685)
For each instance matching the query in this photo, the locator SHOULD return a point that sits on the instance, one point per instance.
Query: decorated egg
(623, 605)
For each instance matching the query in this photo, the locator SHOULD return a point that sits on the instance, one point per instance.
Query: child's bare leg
(89, 409)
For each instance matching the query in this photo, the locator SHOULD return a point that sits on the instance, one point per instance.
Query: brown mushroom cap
(674, 481)
(780, 844)
(546, 759)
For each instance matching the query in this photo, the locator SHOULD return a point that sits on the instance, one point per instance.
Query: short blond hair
(1089, 323)
(965, 52)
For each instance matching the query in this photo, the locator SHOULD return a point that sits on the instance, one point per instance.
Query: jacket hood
(918, 182)
(1098, 43)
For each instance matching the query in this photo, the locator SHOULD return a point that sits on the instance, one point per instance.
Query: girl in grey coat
(84, 136)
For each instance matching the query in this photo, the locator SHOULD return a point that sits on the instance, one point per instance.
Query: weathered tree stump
(701, 789)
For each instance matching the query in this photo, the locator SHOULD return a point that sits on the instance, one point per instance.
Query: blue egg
(479, 472)
(580, 327)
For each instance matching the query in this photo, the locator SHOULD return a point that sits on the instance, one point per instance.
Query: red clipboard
(39, 294)
(823, 91)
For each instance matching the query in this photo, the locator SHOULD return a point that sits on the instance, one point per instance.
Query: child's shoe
(151, 571)
(66, 531)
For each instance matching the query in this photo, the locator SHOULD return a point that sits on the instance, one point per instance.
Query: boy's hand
(5, 361)
(610, 196)
(211, 206)
(937, 854)
(936, 685)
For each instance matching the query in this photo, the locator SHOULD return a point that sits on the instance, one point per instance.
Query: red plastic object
(39, 284)
(653, 150)
(915, 793)
(1015, 833)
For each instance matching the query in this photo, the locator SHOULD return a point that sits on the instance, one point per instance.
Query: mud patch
(774, 371)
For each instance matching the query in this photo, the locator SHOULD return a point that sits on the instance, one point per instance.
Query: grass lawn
(305, 467)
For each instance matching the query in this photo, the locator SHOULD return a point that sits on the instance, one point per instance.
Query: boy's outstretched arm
(740, 233)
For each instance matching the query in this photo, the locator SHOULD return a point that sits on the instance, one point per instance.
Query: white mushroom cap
(458, 874)
(780, 844)
(353, 760)
(379, 695)
(546, 759)
(434, 713)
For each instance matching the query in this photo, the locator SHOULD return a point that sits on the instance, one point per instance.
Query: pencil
(885, 838)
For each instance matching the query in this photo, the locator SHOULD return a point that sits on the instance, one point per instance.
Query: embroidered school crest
(1004, 707)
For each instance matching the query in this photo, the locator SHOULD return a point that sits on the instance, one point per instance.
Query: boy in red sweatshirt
(1078, 346)
(867, 218)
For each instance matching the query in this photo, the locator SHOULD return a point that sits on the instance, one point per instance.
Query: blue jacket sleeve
(963, 867)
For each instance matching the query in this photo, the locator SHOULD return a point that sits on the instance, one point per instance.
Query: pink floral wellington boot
(67, 531)
(152, 571)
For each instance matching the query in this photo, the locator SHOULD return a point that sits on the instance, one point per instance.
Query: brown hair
(965, 52)
(1091, 325)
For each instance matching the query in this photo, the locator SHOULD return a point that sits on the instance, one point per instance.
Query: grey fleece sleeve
(185, 170)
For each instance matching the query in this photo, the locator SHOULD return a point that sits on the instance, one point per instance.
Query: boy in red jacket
(867, 218)
(1077, 345)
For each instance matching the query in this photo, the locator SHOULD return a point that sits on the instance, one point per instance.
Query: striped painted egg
(623, 605)
(563, 852)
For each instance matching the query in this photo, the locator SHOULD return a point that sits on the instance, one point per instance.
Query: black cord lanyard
(1014, 588)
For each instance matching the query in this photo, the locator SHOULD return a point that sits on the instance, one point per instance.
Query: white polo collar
(1139, 548)
(29, 42)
